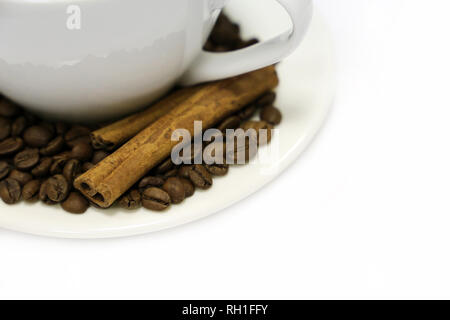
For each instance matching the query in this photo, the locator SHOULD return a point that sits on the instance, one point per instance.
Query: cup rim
(43, 2)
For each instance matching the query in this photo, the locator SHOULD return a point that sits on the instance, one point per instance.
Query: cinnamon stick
(112, 177)
(119, 132)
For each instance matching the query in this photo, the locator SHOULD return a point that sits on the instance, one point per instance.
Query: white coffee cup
(93, 59)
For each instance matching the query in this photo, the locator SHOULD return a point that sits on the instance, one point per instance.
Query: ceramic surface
(92, 59)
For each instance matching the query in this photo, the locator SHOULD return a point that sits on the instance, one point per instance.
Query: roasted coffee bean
(131, 200)
(184, 171)
(267, 99)
(171, 173)
(200, 177)
(10, 191)
(212, 47)
(151, 181)
(225, 32)
(22, 177)
(71, 170)
(10, 146)
(57, 166)
(49, 126)
(30, 191)
(230, 123)
(209, 46)
(56, 189)
(99, 156)
(245, 146)
(217, 169)
(73, 143)
(263, 130)
(53, 147)
(87, 166)
(61, 128)
(248, 43)
(164, 167)
(223, 48)
(75, 203)
(82, 151)
(8, 108)
(59, 162)
(66, 155)
(189, 188)
(43, 168)
(31, 118)
(271, 115)
(5, 169)
(175, 188)
(155, 199)
(43, 194)
(5, 128)
(18, 126)
(37, 136)
(26, 159)
(248, 112)
(76, 132)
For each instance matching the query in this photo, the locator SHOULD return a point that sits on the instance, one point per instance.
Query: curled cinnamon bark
(119, 132)
(211, 103)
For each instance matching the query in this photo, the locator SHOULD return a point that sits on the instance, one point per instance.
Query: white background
(364, 213)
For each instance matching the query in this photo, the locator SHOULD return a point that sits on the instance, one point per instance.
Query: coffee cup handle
(214, 66)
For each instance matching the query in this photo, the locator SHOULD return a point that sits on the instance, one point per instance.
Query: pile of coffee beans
(39, 160)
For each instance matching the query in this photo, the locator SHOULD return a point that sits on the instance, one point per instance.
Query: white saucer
(305, 95)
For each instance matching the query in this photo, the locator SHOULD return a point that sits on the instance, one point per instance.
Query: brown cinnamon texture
(119, 132)
(112, 177)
